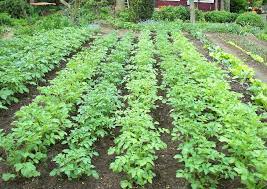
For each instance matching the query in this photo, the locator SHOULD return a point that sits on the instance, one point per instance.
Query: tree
(227, 5)
(192, 11)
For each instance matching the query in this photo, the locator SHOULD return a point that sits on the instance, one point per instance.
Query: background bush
(5, 19)
(220, 16)
(172, 13)
(142, 9)
(126, 15)
(251, 19)
(16, 8)
(54, 21)
(239, 6)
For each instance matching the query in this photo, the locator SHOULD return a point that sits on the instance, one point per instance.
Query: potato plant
(139, 139)
(25, 61)
(238, 68)
(96, 116)
(221, 137)
(43, 122)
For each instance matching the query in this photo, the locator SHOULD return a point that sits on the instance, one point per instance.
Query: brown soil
(166, 166)
(260, 69)
(7, 116)
(107, 28)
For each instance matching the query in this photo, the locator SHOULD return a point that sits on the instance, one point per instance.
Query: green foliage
(238, 68)
(139, 138)
(220, 135)
(16, 8)
(94, 9)
(43, 122)
(19, 69)
(251, 19)
(5, 19)
(220, 16)
(172, 13)
(142, 9)
(54, 21)
(263, 36)
(200, 15)
(126, 15)
(95, 117)
(238, 6)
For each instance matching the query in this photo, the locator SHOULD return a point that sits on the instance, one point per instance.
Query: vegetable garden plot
(96, 116)
(218, 137)
(222, 138)
(25, 61)
(139, 138)
(238, 69)
(44, 121)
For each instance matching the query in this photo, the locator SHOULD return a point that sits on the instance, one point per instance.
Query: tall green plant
(16, 8)
(142, 9)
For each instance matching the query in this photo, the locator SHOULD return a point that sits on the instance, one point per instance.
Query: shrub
(251, 19)
(142, 9)
(5, 19)
(172, 13)
(238, 5)
(16, 8)
(126, 15)
(55, 21)
(200, 15)
(220, 16)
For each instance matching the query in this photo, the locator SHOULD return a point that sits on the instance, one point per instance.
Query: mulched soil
(260, 69)
(166, 166)
(7, 116)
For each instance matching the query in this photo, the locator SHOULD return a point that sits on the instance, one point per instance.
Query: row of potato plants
(139, 138)
(96, 116)
(43, 122)
(28, 63)
(237, 67)
(221, 138)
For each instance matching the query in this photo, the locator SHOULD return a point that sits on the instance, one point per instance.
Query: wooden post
(227, 5)
(192, 11)
(222, 5)
(216, 4)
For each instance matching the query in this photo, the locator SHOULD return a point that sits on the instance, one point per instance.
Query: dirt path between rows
(166, 166)
(260, 69)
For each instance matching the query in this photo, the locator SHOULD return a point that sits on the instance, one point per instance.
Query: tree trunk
(222, 5)
(227, 5)
(192, 12)
(120, 5)
(216, 4)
